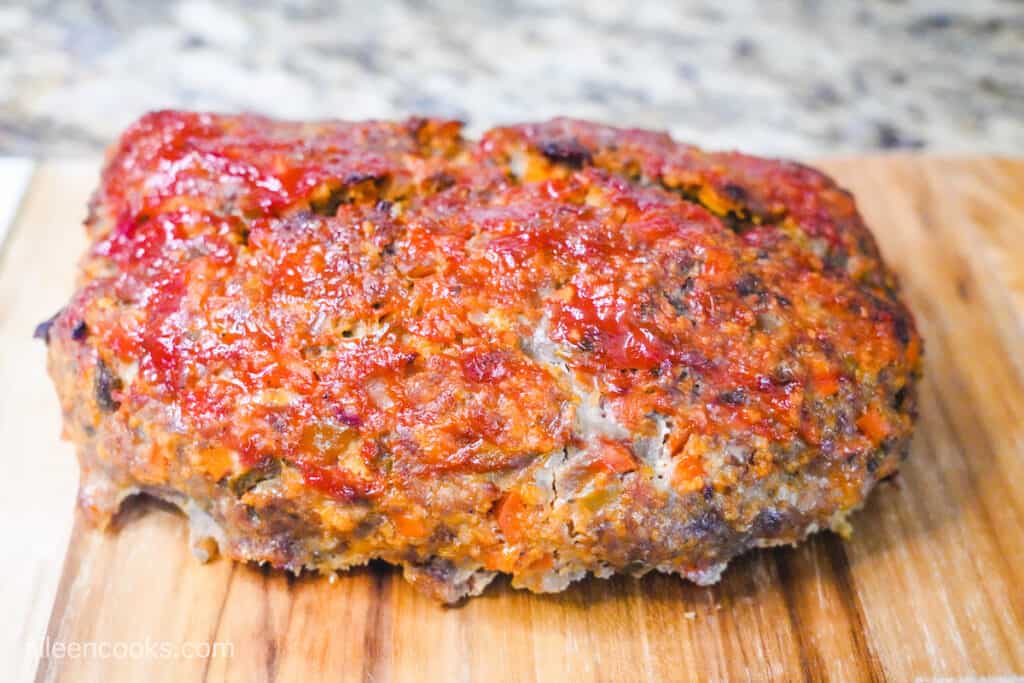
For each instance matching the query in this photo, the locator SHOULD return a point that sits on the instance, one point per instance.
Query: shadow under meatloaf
(565, 348)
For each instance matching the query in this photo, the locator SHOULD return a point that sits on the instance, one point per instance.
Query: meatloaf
(564, 348)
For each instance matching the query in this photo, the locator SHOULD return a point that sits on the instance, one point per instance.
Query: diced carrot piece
(873, 424)
(407, 525)
(688, 474)
(499, 559)
(508, 513)
(688, 471)
(824, 377)
(827, 384)
(543, 564)
(615, 457)
(216, 462)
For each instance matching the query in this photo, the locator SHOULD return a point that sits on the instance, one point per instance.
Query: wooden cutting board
(931, 584)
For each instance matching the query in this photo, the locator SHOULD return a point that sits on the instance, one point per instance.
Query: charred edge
(567, 152)
(768, 523)
(735, 397)
(105, 383)
(355, 187)
(736, 193)
(437, 183)
(42, 330)
(677, 298)
(245, 482)
(738, 220)
(901, 328)
(749, 284)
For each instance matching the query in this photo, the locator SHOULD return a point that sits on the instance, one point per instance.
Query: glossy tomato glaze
(377, 302)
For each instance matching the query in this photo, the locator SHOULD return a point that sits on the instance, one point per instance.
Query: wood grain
(37, 503)
(930, 584)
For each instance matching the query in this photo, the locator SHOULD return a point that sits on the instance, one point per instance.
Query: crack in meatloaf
(563, 348)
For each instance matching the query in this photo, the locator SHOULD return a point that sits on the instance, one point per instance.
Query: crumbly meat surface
(563, 348)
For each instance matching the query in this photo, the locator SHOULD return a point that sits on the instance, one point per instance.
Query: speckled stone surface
(801, 79)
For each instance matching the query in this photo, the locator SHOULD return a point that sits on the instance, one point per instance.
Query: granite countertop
(787, 78)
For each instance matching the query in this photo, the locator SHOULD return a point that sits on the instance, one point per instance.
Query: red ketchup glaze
(490, 366)
(263, 298)
(606, 326)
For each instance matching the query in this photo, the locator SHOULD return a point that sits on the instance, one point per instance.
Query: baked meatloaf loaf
(563, 348)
